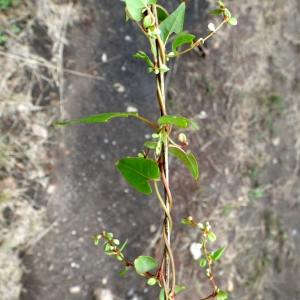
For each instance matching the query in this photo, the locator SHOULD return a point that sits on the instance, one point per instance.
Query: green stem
(195, 44)
(147, 121)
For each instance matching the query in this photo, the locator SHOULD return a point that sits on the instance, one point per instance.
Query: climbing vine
(150, 168)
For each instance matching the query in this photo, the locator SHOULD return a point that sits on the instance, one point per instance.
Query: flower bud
(182, 138)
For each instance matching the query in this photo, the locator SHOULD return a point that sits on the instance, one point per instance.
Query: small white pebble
(128, 38)
(195, 251)
(74, 232)
(104, 281)
(131, 109)
(104, 57)
(119, 87)
(75, 289)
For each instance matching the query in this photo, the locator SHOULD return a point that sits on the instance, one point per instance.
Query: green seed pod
(119, 257)
(116, 242)
(151, 281)
(202, 262)
(147, 21)
(211, 236)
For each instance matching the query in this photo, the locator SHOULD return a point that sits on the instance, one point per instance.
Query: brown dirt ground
(245, 97)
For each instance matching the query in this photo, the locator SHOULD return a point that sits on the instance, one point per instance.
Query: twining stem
(160, 87)
(166, 186)
(163, 204)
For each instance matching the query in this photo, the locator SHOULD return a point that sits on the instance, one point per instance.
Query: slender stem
(166, 187)
(195, 44)
(147, 121)
(160, 97)
(137, 23)
(163, 204)
(160, 87)
(170, 254)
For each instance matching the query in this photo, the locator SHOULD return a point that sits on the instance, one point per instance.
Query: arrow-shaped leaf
(135, 7)
(177, 121)
(138, 171)
(99, 118)
(182, 39)
(143, 264)
(187, 158)
(173, 23)
(216, 255)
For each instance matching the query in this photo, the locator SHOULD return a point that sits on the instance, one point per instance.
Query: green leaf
(109, 235)
(173, 23)
(219, 297)
(177, 289)
(187, 158)
(144, 56)
(138, 171)
(106, 246)
(216, 255)
(151, 145)
(98, 118)
(123, 271)
(227, 13)
(161, 294)
(135, 7)
(182, 39)
(162, 14)
(177, 121)
(143, 264)
(123, 246)
(216, 11)
(163, 68)
(232, 21)
(202, 262)
(223, 294)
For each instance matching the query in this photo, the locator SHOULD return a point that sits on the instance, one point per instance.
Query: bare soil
(245, 97)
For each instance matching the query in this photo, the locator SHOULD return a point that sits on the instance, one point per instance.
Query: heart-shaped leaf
(187, 158)
(138, 171)
(173, 23)
(99, 118)
(177, 121)
(135, 7)
(143, 264)
(182, 39)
